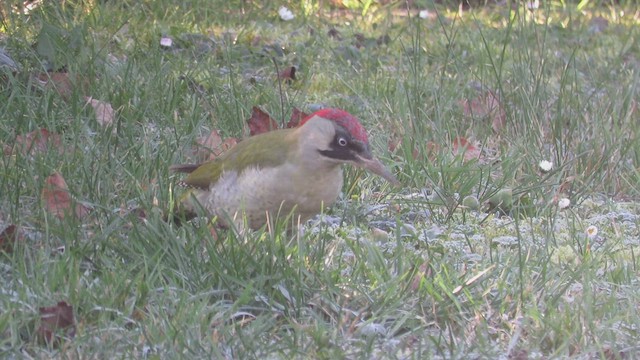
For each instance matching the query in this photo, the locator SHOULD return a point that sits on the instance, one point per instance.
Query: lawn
(513, 129)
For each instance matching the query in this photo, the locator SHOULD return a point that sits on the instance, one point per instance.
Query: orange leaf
(296, 117)
(57, 200)
(8, 237)
(37, 141)
(55, 320)
(260, 122)
(104, 111)
(464, 147)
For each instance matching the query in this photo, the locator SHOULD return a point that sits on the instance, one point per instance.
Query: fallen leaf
(288, 74)
(57, 80)
(8, 238)
(566, 185)
(57, 200)
(104, 111)
(296, 117)
(383, 39)
(207, 144)
(334, 33)
(37, 141)
(227, 144)
(396, 143)
(486, 106)
(393, 143)
(359, 40)
(212, 145)
(260, 122)
(56, 323)
(424, 272)
(464, 147)
(432, 149)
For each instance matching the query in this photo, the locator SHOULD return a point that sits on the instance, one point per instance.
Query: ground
(513, 130)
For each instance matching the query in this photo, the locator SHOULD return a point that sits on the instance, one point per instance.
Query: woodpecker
(283, 172)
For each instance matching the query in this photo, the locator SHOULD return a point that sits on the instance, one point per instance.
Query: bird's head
(338, 137)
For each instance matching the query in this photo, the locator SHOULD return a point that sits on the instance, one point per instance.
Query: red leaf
(296, 117)
(464, 147)
(37, 141)
(260, 122)
(8, 237)
(55, 322)
(57, 200)
(288, 74)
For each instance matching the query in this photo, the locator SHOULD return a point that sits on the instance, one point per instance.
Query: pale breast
(256, 192)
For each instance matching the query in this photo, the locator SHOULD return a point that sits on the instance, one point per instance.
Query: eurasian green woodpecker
(291, 171)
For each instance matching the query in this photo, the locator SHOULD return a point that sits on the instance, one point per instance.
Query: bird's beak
(375, 166)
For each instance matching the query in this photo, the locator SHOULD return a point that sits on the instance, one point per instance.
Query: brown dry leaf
(8, 237)
(208, 144)
(288, 74)
(430, 150)
(393, 143)
(566, 185)
(486, 105)
(56, 323)
(212, 145)
(57, 200)
(37, 141)
(464, 147)
(260, 122)
(227, 144)
(104, 111)
(334, 34)
(59, 81)
(296, 117)
(423, 272)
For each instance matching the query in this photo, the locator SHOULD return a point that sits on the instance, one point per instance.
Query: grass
(387, 273)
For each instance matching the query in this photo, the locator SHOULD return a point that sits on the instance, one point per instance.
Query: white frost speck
(545, 165)
(285, 14)
(166, 42)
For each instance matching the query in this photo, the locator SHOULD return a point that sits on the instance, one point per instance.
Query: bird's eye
(342, 141)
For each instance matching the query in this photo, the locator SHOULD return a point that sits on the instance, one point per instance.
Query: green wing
(265, 150)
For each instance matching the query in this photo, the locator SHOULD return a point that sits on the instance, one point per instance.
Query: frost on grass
(561, 239)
